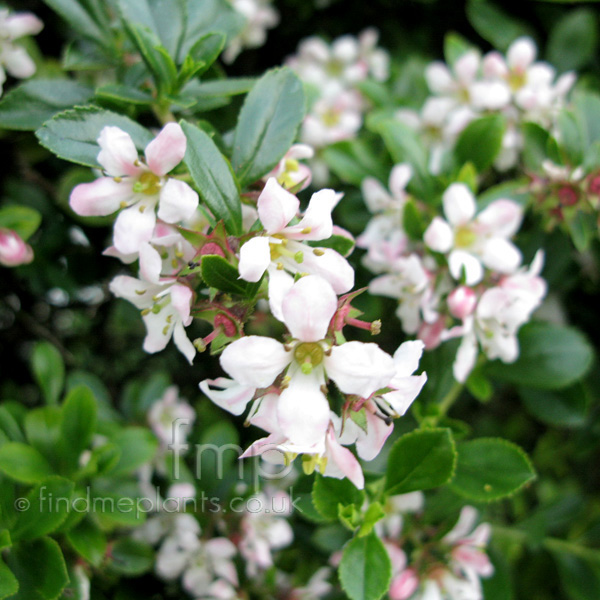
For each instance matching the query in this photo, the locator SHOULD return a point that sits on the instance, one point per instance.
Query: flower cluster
(463, 278)
(514, 85)
(150, 204)
(425, 567)
(288, 385)
(14, 58)
(258, 16)
(334, 71)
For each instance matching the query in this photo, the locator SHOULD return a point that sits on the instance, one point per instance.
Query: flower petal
(232, 396)
(118, 152)
(255, 257)
(20, 24)
(255, 360)
(460, 261)
(183, 343)
(459, 204)
(303, 410)
(501, 255)
(369, 444)
(407, 357)
(439, 236)
(406, 389)
(150, 263)
(280, 283)
(328, 264)
(18, 63)
(308, 308)
(316, 222)
(100, 198)
(502, 218)
(359, 368)
(166, 150)
(177, 202)
(276, 206)
(181, 300)
(133, 227)
(342, 463)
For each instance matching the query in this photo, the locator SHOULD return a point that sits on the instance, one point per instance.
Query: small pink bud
(404, 585)
(13, 250)
(212, 248)
(594, 184)
(462, 302)
(431, 333)
(567, 196)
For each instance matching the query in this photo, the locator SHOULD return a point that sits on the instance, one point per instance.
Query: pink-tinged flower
(317, 586)
(171, 418)
(264, 528)
(14, 58)
(461, 302)
(500, 313)
(405, 581)
(281, 249)
(255, 362)
(164, 255)
(137, 187)
(291, 173)
(332, 119)
(473, 242)
(165, 310)
(13, 250)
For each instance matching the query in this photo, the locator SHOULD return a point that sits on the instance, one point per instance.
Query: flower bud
(13, 250)
(462, 302)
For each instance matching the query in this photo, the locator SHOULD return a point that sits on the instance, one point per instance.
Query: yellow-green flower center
(464, 237)
(308, 355)
(148, 183)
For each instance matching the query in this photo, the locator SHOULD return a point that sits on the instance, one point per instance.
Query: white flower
(165, 310)
(171, 418)
(13, 57)
(281, 249)
(255, 362)
(473, 242)
(137, 187)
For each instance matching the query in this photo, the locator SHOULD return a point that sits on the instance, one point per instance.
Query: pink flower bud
(404, 585)
(567, 196)
(13, 250)
(462, 302)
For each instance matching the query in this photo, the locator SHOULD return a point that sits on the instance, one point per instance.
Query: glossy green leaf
(73, 134)
(218, 273)
(564, 408)
(8, 582)
(49, 370)
(329, 492)
(23, 463)
(213, 177)
(43, 428)
(88, 541)
(32, 103)
(21, 219)
(420, 460)
(138, 447)
(365, 571)
(490, 469)
(268, 124)
(124, 94)
(78, 425)
(79, 18)
(480, 142)
(40, 569)
(43, 510)
(131, 557)
(573, 41)
(550, 357)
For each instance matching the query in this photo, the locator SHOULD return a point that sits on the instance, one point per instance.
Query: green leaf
(587, 112)
(490, 469)
(213, 177)
(354, 160)
(373, 514)
(564, 408)
(80, 20)
(9, 425)
(412, 221)
(579, 578)
(8, 582)
(23, 463)
(49, 370)
(420, 460)
(217, 88)
(88, 541)
(206, 50)
(43, 510)
(40, 569)
(573, 41)
(571, 138)
(138, 447)
(495, 25)
(479, 385)
(27, 107)
(480, 142)
(156, 57)
(21, 219)
(124, 94)
(268, 124)
(218, 273)
(551, 357)
(307, 509)
(535, 139)
(405, 145)
(42, 426)
(73, 134)
(365, 571)
(131, 557)
(328, 493)
(78, 425)
(583, 228)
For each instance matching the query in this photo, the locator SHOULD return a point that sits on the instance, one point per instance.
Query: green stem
(449, 399)
(163, 114)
